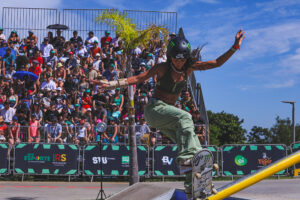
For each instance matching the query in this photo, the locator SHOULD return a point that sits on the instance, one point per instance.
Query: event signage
(164, 160)
(4, 159)
(246, 159)
(296, 147)
(115, 160)
(54, 159)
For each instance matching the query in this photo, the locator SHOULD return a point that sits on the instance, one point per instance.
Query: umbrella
(22, 74)
(58, 26)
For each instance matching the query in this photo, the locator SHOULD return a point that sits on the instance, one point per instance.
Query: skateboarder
(160, 111)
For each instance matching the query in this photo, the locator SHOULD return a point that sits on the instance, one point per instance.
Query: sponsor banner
(54, 159)
(4, 160)
(115, 160)
(246, 159)
(164, 158)
(296, 147)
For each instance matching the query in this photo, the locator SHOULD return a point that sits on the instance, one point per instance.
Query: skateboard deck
(203, 166)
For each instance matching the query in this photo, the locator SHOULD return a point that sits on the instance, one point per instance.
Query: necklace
(179, 72)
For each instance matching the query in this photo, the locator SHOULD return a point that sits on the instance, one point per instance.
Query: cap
(143, 64)
(126, 119)
(91, 32)
(48, 89)
(52, 51)
(48, 64)
(114, 104)
(107, 32)
(46, 39)
(1, 29)
(59, 89)
(172, 34)
(76, 105)
(118, 88)
(106, 42)
(15, 118)
(71, 53)
(89, 109)
(88, 90)
(14, 31)
(149, 54)
(59, 65)
(95, 42)
(112, 65)
(36, 62)
(30, 31)
(97, 54)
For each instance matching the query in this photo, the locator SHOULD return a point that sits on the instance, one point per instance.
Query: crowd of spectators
(62, 105)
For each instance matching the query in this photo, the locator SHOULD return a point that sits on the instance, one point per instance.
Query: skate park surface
(264, 190)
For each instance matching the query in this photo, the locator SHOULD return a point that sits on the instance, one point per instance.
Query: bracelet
(233, 49)
(236, 47)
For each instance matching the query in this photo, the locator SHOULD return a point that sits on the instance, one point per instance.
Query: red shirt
(40, 59)
(95, 51)
(105, 39)
(36, 70)
(87, 99)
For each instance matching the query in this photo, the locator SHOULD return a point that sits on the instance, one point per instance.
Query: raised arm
(223, 58)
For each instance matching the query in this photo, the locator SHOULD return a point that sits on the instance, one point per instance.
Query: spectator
(97, 63)
(33, 37)
(90, 40)
(118, 99)
(33, 130)
(141, 130)
(124, 130)
(58, 41)
(53, 59)
(110, 134)
(37, 112)
(2, 36)
(81, 51)
(87, 101)
(100, 114)
(7, 113)
(13, 98)
(36, 69)
(91, 73)
(14, 131)
(75, 38)
(200, 132)
(31, 48)
(54, 131)
(3, 130)
(115, 41)
(107, 55)
(82, 135)
(8, 60)
(110, 74)
(14, 38)
(46, 48)
(95, 49)
(106, 38)
(48, 83)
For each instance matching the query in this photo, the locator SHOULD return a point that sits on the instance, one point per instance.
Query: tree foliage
(225, 128)
(130, 34)
(259, 135)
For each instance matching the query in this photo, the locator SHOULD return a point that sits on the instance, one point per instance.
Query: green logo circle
(240, 160)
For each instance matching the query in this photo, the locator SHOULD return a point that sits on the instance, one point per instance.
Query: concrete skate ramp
(145, 191)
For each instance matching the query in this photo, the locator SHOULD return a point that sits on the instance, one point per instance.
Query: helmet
(179, 47)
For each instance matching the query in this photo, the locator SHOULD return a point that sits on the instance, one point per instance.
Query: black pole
(101, 191)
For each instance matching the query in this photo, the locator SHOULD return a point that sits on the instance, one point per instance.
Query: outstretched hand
(240, 35)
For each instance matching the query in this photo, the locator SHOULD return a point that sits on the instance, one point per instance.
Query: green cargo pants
(178, 125)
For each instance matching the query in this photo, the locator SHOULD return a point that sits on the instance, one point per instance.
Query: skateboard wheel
(214, 191)
(216, 166)
(198, 175)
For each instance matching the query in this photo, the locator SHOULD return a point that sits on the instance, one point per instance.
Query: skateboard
(202, 169)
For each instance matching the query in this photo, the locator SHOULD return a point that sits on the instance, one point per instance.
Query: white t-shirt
(46, 50)
(81, 132)
(51, 85)
(81, 52)
(96, 64)
(8, 114)
(2, 36)
(91, 40)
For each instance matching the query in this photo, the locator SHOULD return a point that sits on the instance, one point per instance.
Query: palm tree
(132, 38)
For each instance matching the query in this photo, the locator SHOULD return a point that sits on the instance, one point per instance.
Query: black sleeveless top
(166, 83)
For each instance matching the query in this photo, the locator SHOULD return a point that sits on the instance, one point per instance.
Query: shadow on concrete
(20, 198)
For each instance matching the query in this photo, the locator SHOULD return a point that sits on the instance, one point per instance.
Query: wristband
(233, 49)
(236, 47)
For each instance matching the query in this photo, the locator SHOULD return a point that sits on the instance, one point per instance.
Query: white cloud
(285, 84)
(291, 63)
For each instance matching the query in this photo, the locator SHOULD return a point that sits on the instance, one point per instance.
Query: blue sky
(254, 81)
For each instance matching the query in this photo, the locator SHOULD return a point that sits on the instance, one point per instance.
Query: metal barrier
(4, 159)
(115, 160)
(46, 159)
(82, 20)
(164, 164)
(240, 160)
